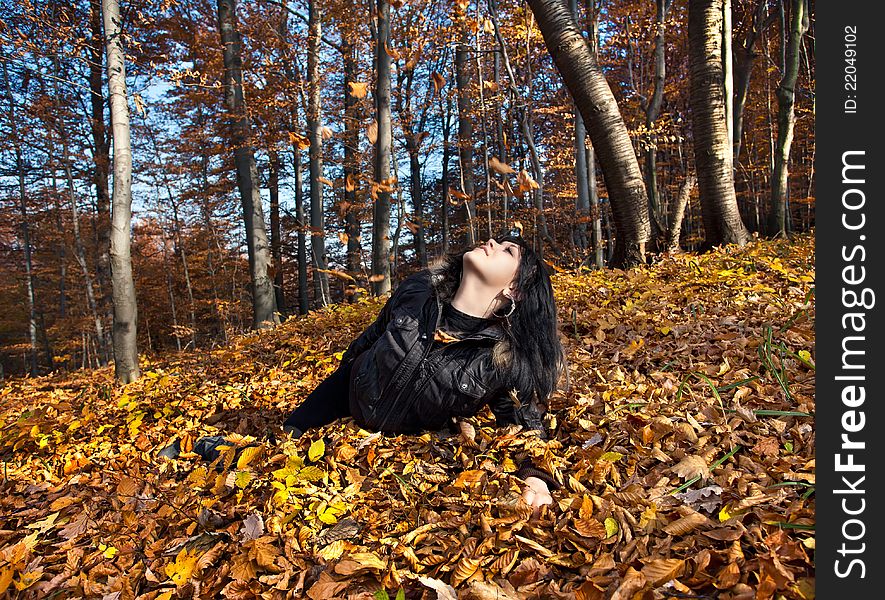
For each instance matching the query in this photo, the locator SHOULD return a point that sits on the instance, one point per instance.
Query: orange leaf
(358, 89)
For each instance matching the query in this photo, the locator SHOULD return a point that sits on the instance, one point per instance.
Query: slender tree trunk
(728, 74)
(317, 217)
(465, 125)
(652, 111)
(170, 290)
(587, 84)
(264, 310)
(26, 235)
(383, 140)
(746, 60)
(351, 167)
(678, 213)
(594, 259)
(60, 229)
(447, 157)
(712, 147)
(582, 204)
(786, 119)
(101, 158)
(275, 237)
(126, 368)
(294, 75)
(79, 250)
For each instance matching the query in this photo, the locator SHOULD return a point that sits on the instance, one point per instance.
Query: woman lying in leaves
(478, 328)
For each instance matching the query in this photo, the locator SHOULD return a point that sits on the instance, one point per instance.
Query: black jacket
(400, 384)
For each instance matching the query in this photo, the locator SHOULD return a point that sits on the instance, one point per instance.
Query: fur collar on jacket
(444, 280)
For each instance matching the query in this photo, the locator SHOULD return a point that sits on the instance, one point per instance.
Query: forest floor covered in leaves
(685, 445)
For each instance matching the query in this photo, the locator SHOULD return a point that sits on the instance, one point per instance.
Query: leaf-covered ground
(685, 444)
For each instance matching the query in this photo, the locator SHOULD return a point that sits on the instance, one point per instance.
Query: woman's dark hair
(537, 356)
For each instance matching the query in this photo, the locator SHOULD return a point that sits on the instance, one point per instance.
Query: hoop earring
(512, 308)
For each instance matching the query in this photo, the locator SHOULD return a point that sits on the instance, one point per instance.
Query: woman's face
(496, 264)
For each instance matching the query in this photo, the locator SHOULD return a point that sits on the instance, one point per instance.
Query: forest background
(348, 168)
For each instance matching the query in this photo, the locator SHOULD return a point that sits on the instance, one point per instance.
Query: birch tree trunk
(712, 147)
(786, 119)
(126, 368)
(264, 309)
(586, 82)
(381, 213)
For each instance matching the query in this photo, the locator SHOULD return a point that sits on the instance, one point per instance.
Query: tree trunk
(26, 235)
(275, 234)
(746, 59)
(594, 259)
(465, 127)
(351, 167)
(317, 217)
(447, 157)
(101, 159)
(294, 75)
(126, 368)
(678, 213)
(79, 250)
(786, 120)
(728, 74)
(381, 213)
(264, 310)
(722, 221)
(582, 204)
(608, 134)
(652, 111)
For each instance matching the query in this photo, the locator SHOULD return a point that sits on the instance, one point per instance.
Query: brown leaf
(499, 167)
(691, 466)
(662, 570)
(438, 80)
(372, 132)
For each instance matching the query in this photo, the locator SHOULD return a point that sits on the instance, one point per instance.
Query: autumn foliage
(684, 440)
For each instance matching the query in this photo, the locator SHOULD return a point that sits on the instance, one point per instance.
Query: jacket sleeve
(376, 329)
(530, 416)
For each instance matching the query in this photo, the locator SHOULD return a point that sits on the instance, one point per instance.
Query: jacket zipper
(390, 407)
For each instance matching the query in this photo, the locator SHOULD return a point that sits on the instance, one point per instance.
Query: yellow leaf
(180, 571)
(611, 527)
(311, 473)
(26, 580)
(611, 456)
(317, 449)
(242, 479)
(247, 456)
(724, 515)
(328, 517)
(108, 551)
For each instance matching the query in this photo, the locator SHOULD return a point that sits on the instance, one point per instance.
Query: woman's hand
(536, 494)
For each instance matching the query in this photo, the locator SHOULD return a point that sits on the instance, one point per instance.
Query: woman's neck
(475, 298)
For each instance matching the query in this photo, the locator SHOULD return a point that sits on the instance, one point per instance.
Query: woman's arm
(530, 417)
(376, 329)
